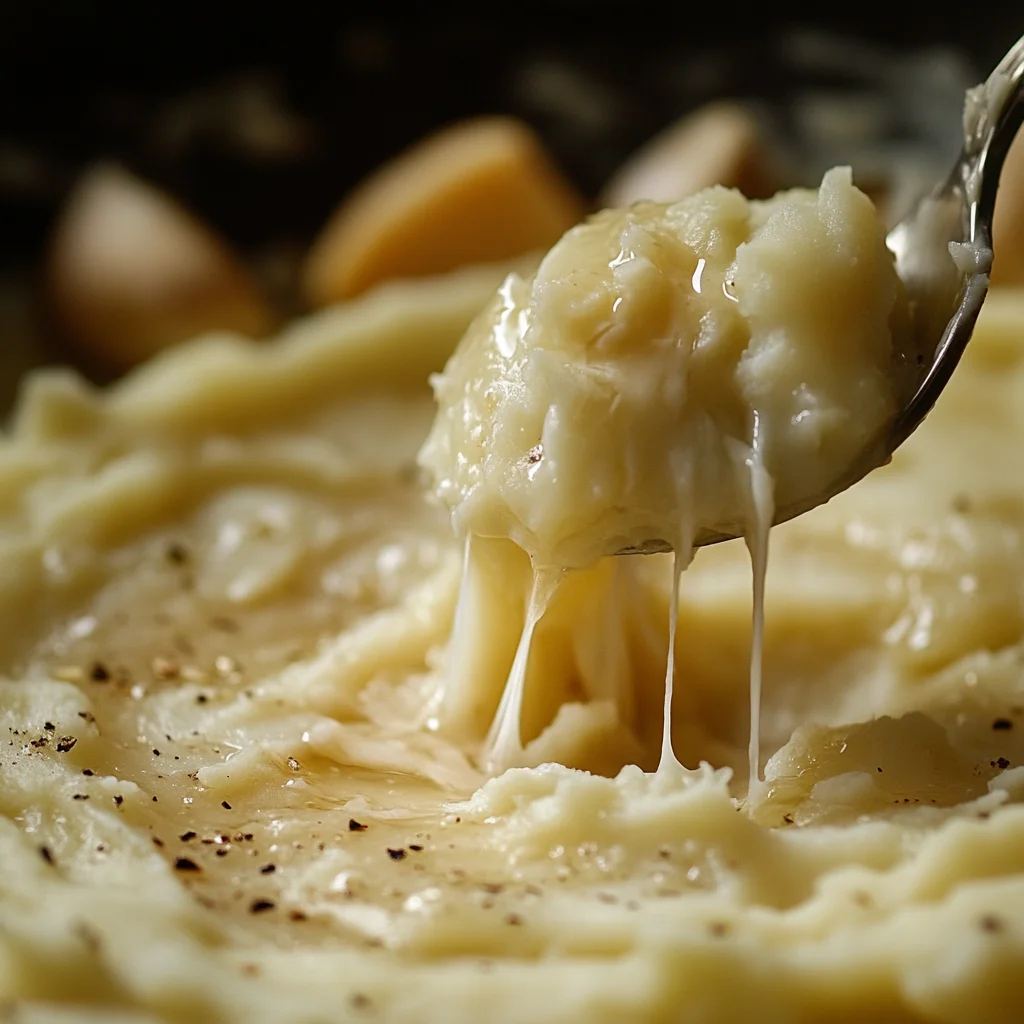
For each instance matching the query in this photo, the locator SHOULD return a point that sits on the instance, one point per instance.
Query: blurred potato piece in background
(1008, 223)
(719, 144)
(131, 272)
(479, 191)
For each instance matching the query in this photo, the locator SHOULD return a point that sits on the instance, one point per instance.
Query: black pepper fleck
(1002, 723)
(268, 869)
(157, 841)
(990, 923)
(360, 1001)
(225, 805)
(1002, 762)
(44, 852)
(297, 915)
(80, 796)
(415, 847)
(156, 753)
(356, 826)
(49, 726)
(514, 920)
(118, 800)
(258, 906)
(202, 698)
(186, 864)
(396, 854)
(65, 743)
(176, 553)
(99, 673)
(88, 771)
(187, 836)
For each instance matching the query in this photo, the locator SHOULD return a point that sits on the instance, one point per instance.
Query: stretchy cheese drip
(681, 558)
(504, 745)
(762, 511)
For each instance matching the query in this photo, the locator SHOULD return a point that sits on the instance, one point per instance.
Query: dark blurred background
(261, 116)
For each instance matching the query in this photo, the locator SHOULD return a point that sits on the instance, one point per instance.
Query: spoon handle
(993, 114)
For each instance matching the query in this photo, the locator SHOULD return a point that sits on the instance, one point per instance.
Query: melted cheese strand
(762, 512)
(681, 558)
(504, 745)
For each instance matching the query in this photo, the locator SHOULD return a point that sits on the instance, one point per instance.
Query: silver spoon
(943, 252)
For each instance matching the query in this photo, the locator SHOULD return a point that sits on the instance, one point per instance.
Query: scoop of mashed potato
(619, 396)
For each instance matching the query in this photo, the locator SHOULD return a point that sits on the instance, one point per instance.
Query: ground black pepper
(396, 854)
(99, 673)
(225, 805)
(44, 852)
(268, 869)
(258, 906)
(176, 553)
(186, 836)
(65, 743)
(356, 826)
(1002, 723)
(186, 864)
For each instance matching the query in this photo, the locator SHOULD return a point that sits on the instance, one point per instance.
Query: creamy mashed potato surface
(237, 768)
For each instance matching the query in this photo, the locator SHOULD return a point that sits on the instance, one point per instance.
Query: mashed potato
(238, 777)
(613, 399)
(672, 372)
